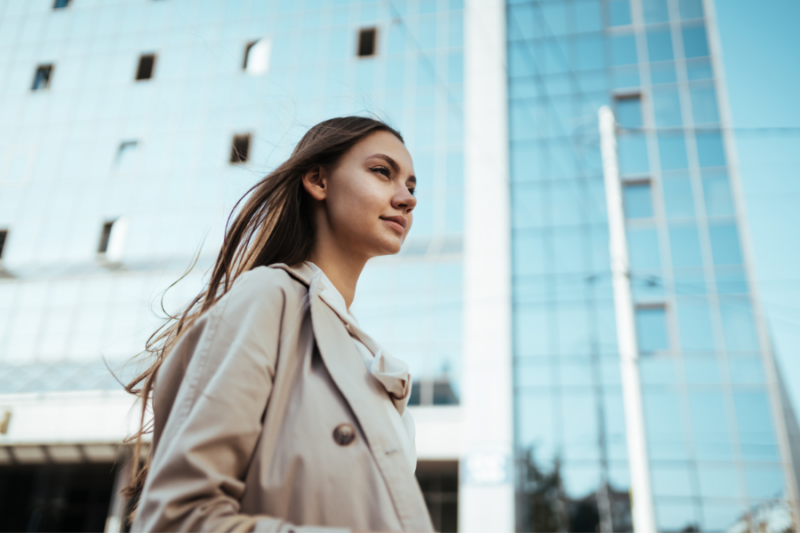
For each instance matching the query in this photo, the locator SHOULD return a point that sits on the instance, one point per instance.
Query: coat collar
(391, 372)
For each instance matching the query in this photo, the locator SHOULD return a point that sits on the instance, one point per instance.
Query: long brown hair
(274, 225)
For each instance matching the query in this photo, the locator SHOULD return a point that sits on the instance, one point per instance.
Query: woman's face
(368, 197)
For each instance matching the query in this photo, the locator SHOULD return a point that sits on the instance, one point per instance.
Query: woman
(272, 409)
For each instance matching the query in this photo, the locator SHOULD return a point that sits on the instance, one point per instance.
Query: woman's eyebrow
(393, 164)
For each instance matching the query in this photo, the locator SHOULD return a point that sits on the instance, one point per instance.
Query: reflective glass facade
(713, 447)
(132, 124)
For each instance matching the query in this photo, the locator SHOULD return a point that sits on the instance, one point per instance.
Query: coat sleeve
(215, 419)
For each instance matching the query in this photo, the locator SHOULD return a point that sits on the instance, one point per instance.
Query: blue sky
(761, 54)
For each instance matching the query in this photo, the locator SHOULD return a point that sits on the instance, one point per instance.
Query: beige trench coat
(246, 406)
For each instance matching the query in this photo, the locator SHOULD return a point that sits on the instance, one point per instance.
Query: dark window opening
(60, 4)
(56, 497)
(145, 68)
(240, 148)
(105, 236)
(366, 42)
(41, 80)
(438, 481)
(3, 239)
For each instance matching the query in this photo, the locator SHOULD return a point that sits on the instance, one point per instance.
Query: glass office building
(127, 132)
(715, 419)
(129, 129)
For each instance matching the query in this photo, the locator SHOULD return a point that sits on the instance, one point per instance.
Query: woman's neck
(342, 269)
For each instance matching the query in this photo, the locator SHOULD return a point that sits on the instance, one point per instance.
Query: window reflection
(628, 111)
(632, 149)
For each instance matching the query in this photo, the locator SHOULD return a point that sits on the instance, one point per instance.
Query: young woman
(273, 410)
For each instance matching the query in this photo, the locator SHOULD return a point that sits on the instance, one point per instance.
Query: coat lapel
(364, 394)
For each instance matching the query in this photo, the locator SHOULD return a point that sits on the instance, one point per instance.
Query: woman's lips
(395, 225)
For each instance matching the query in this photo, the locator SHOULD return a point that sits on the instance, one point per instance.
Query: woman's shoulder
(264, 286)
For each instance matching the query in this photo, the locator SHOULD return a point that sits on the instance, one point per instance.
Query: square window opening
(256, 56)
(367, 39)
(637, 199)
(240, 148)
(628, 110)
(41, 80)
(147, 63)
(105, 237)
(60, 4)
(3, 240)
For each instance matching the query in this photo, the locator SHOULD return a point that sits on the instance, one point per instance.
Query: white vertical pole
(642, 498)
(486, 485)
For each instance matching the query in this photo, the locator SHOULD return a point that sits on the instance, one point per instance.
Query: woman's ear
(315, 182)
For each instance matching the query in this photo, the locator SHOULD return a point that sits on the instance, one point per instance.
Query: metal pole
(642, 498)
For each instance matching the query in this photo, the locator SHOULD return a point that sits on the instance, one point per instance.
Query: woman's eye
(382, 170)
(412, 191)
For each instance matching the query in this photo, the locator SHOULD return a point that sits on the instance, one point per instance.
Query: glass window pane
(764, 482)
(738, 324)
(667, 106)
(704, 105)
(655, 11)
(695, 43)
(619, 12)
(659, 45)
(676, 515)
(710, 150)
(637, 200)
(672, 480)
(702, 370)
(529, 253)
(754, 422)
(629, 112)
(651, 329)
(666, 439)
(685, 246)
(643, 249)
(532, 330)
(678, 201)
(709, 425)
(623, 50)
(672, 150)
(691, 9)
(694, 322)
(725, 244)
(663, 73)
(699, 69)
(718, 481)
(632, 152)
(590, 52)
(588, 16)
(717, 193)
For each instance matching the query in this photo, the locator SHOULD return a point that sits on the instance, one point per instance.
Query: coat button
(344, 434)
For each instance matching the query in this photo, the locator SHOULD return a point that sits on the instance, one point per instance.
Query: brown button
(344, 434)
